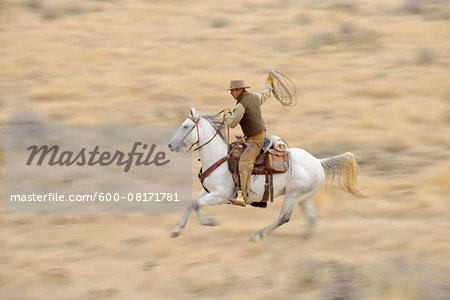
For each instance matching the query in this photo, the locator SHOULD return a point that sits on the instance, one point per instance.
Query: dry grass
(373, 80)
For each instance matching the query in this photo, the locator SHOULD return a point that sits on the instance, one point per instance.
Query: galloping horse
(299, 184)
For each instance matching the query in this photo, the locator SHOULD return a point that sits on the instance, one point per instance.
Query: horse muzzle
(176, 149)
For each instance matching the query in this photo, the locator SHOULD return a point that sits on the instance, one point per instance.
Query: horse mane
(216, 122)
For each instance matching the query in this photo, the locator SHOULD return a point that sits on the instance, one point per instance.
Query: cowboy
(247, 113)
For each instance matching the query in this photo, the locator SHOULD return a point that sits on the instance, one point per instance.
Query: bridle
(196, 121)
(195, 125)
(203, 174)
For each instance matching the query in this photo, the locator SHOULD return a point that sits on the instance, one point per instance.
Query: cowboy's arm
(266, 91)
(233, 118)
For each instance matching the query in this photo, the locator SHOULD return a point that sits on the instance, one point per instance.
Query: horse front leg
(183, 220)
(204, 220)
(202, 199)
(212, 198)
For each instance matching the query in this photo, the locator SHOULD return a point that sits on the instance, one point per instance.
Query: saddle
(270, 161)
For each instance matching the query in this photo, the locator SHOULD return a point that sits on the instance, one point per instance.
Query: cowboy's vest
(252, 122)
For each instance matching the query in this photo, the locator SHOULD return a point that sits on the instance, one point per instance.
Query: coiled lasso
(284, 89)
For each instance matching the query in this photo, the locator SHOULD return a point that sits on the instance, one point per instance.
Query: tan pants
(247, 161)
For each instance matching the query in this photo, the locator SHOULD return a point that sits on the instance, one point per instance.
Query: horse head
(186, 136)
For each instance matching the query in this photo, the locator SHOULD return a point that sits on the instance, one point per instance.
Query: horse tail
(345, 168)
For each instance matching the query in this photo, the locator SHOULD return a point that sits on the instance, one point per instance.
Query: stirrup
(236, 200)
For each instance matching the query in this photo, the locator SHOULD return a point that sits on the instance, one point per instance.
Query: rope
(284, 89)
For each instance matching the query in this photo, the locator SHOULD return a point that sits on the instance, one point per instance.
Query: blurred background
(373, 78)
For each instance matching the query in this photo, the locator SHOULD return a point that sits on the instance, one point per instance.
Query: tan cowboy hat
(237, 84)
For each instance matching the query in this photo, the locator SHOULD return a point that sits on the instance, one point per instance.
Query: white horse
(304, 177)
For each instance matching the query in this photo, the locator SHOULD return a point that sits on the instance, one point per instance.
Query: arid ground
(374, 79)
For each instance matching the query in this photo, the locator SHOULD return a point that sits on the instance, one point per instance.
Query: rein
(198, 134)
(202, 175)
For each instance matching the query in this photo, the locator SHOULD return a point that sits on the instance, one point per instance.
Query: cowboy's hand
(269, 79)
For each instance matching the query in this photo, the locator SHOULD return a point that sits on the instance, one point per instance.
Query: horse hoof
(174, 234)
(209, 222)
(306, 236)
(255, 237)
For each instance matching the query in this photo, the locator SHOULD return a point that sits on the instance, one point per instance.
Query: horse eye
(185, 126)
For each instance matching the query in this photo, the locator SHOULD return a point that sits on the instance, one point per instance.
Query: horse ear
(194, 113)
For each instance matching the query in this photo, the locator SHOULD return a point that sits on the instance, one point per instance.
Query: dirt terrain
(373, 78)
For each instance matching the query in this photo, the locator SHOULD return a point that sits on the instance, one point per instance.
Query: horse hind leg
(284, 216)
(310, 213)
